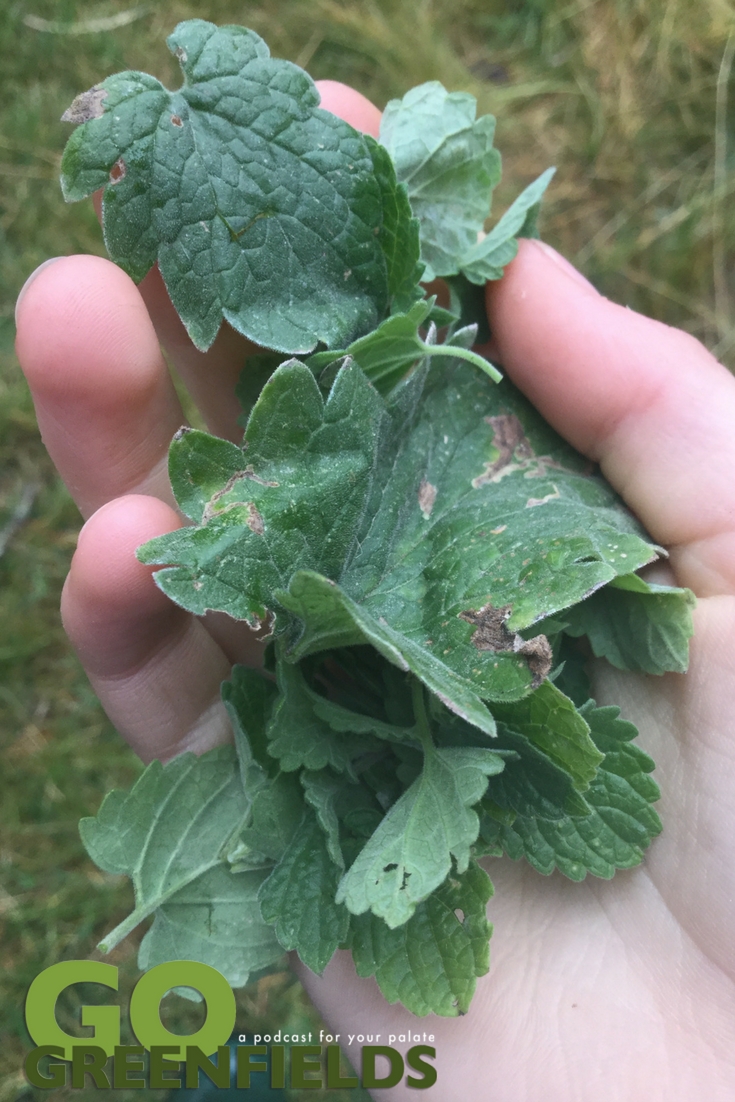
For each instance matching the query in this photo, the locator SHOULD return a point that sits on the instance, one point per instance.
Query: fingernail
(563, 263)
(29, 281)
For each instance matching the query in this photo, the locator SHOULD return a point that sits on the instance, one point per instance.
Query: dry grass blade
(87, 26)
(723, 309)
(19, 516)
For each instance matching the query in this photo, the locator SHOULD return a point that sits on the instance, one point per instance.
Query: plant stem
(463, 354)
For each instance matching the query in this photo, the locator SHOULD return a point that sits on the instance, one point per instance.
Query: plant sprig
(424, 546)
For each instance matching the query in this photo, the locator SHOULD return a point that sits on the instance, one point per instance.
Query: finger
(646, 401)
(210, 377)
(155, 668)
(105, 402)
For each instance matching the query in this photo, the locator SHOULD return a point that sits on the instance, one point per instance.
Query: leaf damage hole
(492, 634)
(390, 868)
(118, 171)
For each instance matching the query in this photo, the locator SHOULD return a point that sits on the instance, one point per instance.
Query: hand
(605, 991)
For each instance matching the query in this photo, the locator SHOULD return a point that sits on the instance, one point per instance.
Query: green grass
(629, 99)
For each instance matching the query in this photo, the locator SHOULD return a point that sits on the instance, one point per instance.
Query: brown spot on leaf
(427, 497)
(492, 634)
(514, 453)
(86, 106)
(176, 120)
(118, 171)
(510, 440)
(533, 501)
(538, 655)
(255, 520)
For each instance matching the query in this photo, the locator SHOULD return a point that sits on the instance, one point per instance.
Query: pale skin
(605, 991)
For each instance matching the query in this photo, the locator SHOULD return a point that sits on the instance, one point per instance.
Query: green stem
(463, 354)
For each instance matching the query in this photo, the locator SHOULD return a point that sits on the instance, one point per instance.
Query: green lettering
(145, 1005)
(369, 1075)
(278, 1066)
(334, 1074)
(96, 1066)
(196, 1061)
(302, 1060)
(428, 1071)
(57, 1078)
(159, 1065)
(244, 1067)
(121, 1066)
(41, 1005)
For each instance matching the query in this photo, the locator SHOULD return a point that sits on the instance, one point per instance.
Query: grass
(632, 99)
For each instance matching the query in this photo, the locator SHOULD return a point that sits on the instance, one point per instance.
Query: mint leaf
(322, 791)
(622, 822)
(399, 233)
(637, 625)
(248, 698)
(265, 520)
(487, 258)
(276, 814)
(445, 513)
(445, 156)
(299, 736)
(531, 783)
(298, 897)
(174, 826)
(331, 619)
(431, 963)
(551, 722)
(260, 208)
(216, 920)
(410, 853)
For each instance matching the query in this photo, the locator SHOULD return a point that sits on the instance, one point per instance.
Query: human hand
(618, 990)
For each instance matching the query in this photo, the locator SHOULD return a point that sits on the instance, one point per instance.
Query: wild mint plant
(424, 549)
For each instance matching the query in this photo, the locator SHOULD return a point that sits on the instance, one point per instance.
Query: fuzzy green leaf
(260, 208)
(174, 826)
(551, 722)
(216, 920)
(410, 854)
(399, 234)
(622, 822)
(445, 156)
(299, 736)
(248, 698)
(487, 258)
(449, 519)
(294, 498)
(298, 898)
(276, 813)
(431, 963)
(637, 625)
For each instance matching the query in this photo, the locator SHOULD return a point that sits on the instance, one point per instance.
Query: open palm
(601, 991)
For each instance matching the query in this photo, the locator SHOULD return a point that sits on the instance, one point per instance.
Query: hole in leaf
(389, 868)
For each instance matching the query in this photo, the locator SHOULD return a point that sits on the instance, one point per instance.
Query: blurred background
(633, 101)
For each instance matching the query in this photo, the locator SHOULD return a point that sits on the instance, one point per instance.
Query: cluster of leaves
(424, 548)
